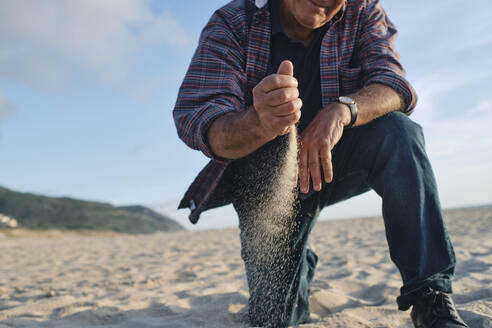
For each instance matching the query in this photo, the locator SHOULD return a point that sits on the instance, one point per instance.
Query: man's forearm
(374, 101)
(236, 134)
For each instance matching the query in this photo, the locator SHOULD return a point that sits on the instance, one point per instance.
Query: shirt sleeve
(379, 60)
(213, 85)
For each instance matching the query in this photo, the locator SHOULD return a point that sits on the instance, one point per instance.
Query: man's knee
(398, 130)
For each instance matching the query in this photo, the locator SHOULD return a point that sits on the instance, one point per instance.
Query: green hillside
(41, 212)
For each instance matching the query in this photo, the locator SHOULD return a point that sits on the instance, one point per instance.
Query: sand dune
(196, 279)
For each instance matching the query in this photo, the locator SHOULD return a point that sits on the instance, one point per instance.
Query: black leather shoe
(435, 310)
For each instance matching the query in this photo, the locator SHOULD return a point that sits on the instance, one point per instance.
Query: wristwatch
(353, 108)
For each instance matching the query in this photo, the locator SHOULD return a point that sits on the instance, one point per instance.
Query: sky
(87, 90)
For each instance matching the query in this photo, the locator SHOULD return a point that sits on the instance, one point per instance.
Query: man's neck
(292, 28)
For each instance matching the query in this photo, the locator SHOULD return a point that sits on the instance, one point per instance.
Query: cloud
(439, 85)
(466, 34)
(43, 42)
(446, 44)
(466, 136)
(443, 32)
(6, 107)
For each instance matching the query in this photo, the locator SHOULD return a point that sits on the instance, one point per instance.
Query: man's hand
(317, 141)
(276, 101)
(276, 108)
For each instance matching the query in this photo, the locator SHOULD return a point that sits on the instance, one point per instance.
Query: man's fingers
(303, 171)
(277, 81)
(314, 169)
(281, 96)
(286, 68)
(287, 109)
(325, 156)
(283, 124)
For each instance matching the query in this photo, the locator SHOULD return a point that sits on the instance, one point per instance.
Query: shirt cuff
(400, 85)
(204, 125)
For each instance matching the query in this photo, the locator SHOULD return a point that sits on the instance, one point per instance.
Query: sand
(196, 279)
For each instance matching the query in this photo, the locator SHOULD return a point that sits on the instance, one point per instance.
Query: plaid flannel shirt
(232, 57)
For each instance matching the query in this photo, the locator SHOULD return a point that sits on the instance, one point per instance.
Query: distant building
(7, 221)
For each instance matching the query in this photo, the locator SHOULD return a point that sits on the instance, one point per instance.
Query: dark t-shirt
(305, 60)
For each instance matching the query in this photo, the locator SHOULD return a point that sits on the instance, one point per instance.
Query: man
(258, 66)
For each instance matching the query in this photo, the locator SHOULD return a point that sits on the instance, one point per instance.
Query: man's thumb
(286, 68)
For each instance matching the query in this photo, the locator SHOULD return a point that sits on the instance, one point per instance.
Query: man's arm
(236, 134)
(326, 129)
(377, 57)
(375, 100)
(209, 113)
(214, 83)
(385, 90)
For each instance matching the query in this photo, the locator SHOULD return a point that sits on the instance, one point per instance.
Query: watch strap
(353, 114)
(353, 109)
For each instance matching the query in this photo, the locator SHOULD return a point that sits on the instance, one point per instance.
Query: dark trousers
(386, 155)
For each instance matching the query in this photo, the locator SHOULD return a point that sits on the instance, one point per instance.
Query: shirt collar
(261, 3)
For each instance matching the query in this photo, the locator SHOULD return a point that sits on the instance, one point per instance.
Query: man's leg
(388, 156)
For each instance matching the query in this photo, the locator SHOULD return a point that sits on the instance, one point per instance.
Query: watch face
(346, 100)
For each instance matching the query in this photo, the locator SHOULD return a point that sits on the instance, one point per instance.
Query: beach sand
(196, 279)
